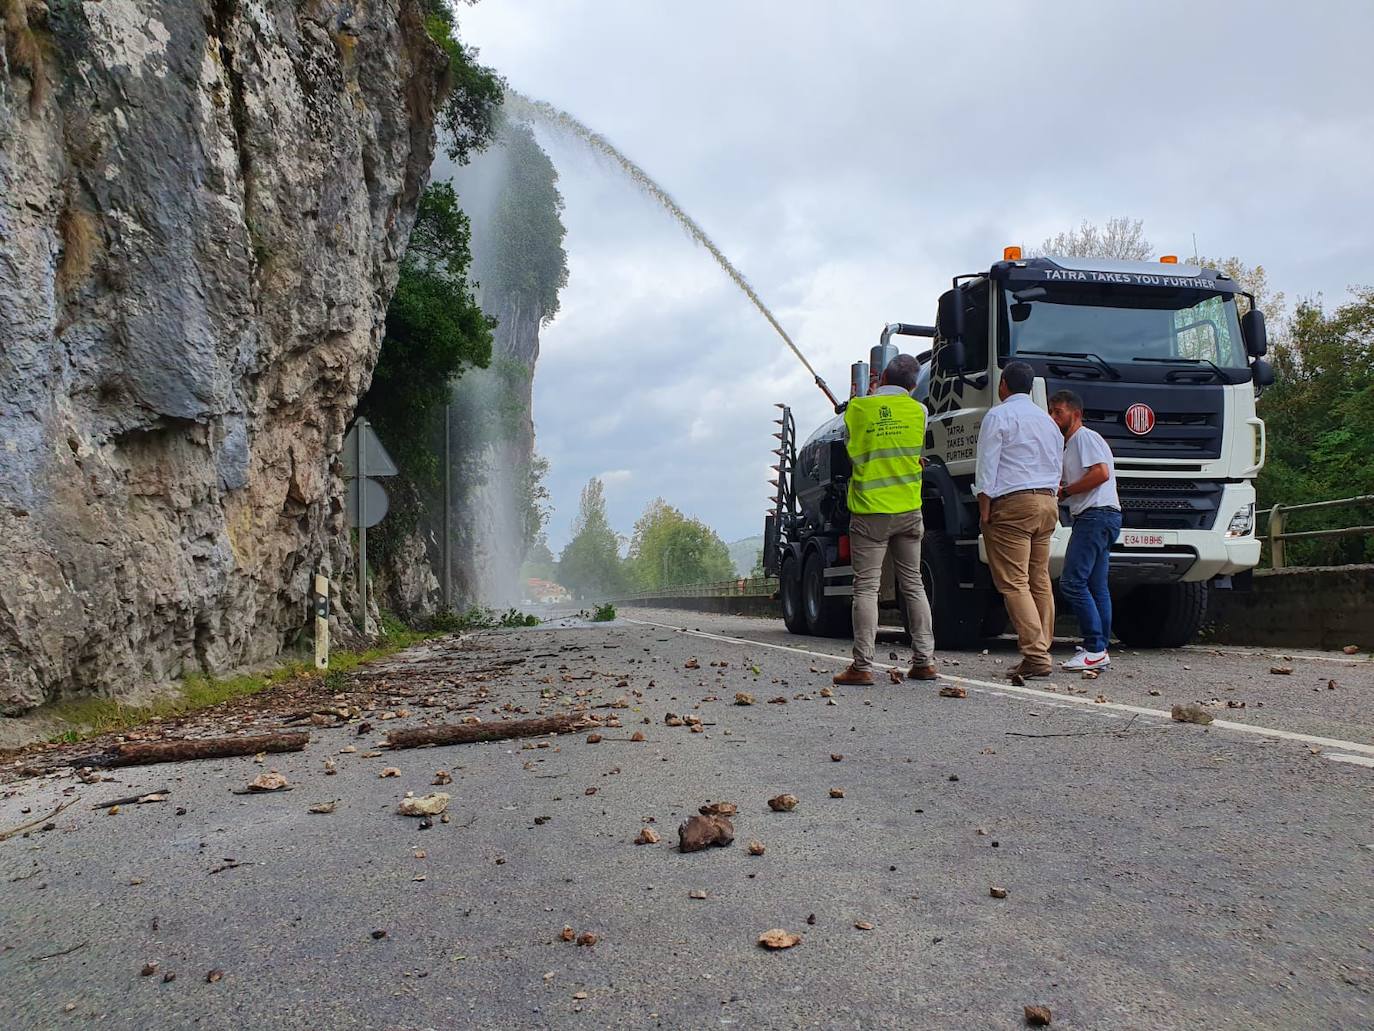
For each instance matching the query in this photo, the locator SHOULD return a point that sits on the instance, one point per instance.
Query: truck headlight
(1243, 522)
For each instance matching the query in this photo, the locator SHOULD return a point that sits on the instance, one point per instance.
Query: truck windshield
(1119, 324)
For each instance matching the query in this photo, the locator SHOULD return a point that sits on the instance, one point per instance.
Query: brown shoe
(922, 673)
(1025, 672)
(851, 675)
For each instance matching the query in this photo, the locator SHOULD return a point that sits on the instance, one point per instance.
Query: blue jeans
(1083, 582)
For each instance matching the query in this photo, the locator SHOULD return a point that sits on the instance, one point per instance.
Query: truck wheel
(958, 613)
(826, 615)
(790, 594)
(1160, 615)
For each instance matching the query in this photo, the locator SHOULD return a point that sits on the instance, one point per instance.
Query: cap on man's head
(1018, 376)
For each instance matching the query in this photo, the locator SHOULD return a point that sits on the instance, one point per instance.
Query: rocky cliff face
(202, 205)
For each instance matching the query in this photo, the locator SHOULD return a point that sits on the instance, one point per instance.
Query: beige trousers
(870, 537)
(1017, 538)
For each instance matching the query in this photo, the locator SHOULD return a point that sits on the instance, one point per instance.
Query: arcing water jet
(522, 107)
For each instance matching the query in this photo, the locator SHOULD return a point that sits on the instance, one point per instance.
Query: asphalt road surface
(1157, 874)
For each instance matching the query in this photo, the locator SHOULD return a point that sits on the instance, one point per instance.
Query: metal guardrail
(740, 587)
(1278, 519)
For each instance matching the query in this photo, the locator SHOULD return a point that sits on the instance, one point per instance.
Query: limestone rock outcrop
(202, 207)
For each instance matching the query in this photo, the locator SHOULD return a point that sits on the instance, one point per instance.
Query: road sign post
(366, 501)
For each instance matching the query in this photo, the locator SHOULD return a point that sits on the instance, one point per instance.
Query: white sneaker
(1088, 660)
(1078, 654)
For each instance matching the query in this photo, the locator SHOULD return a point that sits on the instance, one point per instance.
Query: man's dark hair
(1018, 376)
(1068, 399)
(902, 372)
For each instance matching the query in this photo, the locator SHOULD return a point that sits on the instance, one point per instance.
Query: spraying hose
(521, 106)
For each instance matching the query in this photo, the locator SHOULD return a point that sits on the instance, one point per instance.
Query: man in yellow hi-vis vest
(884, 433)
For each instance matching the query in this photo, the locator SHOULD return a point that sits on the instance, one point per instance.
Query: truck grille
(1164, 504)
(1175, 434)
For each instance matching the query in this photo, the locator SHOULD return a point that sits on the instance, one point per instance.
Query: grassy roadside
(90, 717)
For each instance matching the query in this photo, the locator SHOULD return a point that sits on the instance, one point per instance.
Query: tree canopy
(590, 564)
(1320, 421)
(469, 115)
(1119, 238)
(526, 266)
(434, 329)
(669, 548)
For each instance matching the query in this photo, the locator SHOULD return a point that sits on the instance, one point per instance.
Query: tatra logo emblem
(1140, 419)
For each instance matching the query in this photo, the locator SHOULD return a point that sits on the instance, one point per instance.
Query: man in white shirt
(1090, 489)
(1020, 461)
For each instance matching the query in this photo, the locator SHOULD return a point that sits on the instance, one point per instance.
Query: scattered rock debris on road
(452, 692)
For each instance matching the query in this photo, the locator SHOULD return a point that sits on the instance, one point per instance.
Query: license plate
(1137, 539)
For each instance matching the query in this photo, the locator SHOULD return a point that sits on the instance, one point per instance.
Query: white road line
(1358, 760)
(1048, 696)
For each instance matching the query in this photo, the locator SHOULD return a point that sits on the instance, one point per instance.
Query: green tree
(1320, 421)
(473, 92)
(434, 330)
(1254, 279)
(590, 565)
(669, 548)
(532, 503)
(526, 265)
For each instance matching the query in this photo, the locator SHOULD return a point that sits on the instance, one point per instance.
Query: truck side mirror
(1261, 371)
(949, 323)
(1253, 331)
(949, 357)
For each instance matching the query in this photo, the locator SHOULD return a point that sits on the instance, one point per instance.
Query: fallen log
(466, 733)
(141, 753)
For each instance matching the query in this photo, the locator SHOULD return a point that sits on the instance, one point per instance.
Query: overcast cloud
(850, 158)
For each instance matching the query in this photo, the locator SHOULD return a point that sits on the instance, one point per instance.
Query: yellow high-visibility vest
(886, 434)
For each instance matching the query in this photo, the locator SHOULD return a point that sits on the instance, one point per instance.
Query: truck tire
(790, 595)
(958, 613)
(1160, 615)
(826, 615)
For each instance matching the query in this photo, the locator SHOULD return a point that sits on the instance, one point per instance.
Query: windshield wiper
(1082, 355)
(1189, 361)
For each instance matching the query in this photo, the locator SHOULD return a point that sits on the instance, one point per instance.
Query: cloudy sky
(850, 158)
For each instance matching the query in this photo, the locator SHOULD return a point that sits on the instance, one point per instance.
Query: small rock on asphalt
(1191, 713)
(777, 938)
(701, 832)
(1037, 1016)
(782, 803)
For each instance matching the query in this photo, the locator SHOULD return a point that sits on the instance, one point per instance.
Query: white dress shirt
(1019, 448)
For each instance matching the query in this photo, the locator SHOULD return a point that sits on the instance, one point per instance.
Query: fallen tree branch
(54, 955)
(133, 799)
(466, 733)
(140, 753)
(4, 835)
